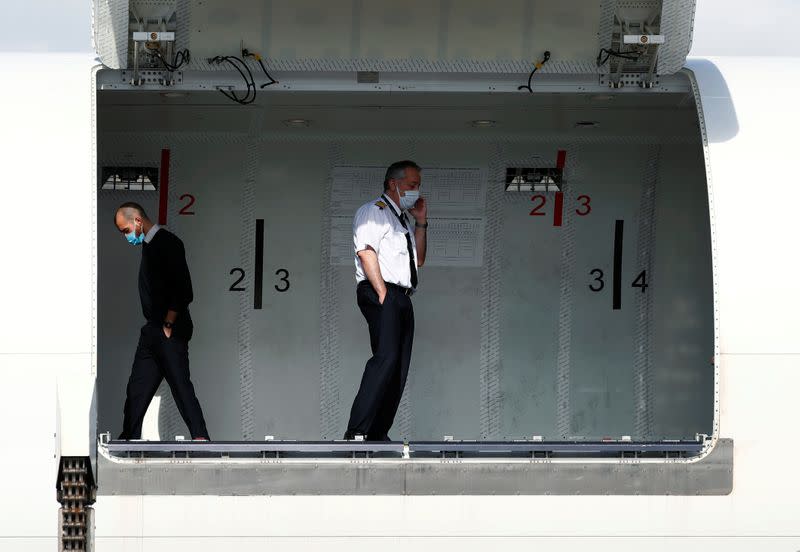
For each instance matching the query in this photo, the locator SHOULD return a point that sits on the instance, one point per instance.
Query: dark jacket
(165, 283)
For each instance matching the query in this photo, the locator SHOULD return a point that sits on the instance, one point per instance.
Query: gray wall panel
(213, 173)
(285, 332)
(683, 333)
(602, 338)
(444, 391)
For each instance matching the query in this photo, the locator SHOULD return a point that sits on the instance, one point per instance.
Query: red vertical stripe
(558, 213)
(561, 159)
(163, 187)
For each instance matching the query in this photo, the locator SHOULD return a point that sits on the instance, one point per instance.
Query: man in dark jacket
(165, 290)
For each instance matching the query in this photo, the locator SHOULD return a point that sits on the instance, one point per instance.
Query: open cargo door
(568, 288)
(622, 39)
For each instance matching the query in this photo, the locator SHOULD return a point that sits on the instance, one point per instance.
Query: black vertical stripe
(618, 230)
(258, 289)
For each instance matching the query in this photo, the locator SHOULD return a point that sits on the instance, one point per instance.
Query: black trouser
(391, 335)
(158, 357)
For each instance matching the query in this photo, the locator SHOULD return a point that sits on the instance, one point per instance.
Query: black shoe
(382, 439)
(349, 435)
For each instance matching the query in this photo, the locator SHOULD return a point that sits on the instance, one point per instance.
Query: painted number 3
(586, 206)
(598, 284)
(597, 278)
(284, 280)
(540, 200)
(239, 272)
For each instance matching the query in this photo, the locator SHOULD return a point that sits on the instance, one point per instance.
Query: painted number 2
(185, 210)
(536, 210)
(540, 200)
(235, 285)
(283, 285)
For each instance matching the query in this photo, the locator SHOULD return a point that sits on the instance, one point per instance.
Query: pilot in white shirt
(378, 225)
(389, 246)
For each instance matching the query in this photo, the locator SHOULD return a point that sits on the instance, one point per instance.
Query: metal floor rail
(412, 449)
(270, 468)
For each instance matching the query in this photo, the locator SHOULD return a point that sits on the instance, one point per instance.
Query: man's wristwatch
(168, 324)
(418, 225)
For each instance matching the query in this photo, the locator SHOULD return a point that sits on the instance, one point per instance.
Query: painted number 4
(641, 281)
(598, 283)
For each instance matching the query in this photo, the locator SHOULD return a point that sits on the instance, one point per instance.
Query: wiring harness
(182, 57)
(605, 54)
(536, 67)
(241, 66)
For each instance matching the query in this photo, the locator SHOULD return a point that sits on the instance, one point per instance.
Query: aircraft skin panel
(49, 228)
(763, 503)
(418, 36)
(467, 544)
(46, 285)
(762, 507)
(745, 132)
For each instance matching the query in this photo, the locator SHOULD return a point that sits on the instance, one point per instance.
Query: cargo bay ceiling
(463, 36)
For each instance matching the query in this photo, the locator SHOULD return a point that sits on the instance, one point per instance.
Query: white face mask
(407, 201)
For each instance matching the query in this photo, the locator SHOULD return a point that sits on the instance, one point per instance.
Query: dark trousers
(391, 335)
(158, 357)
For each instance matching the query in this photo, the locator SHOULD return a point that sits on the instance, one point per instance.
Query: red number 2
(535, 212)
(185, 209)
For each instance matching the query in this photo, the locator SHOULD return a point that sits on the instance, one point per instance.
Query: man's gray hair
(397, 170)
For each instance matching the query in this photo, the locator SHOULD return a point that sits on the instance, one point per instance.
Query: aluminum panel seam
(183, 25)
(329, 373)
(247, 262)
(714, 270)
(608, 9)
(567, 269)
(642, 359)
(94, 237)
(284, 137)
(677, 23)
(403, 65)
(170, 421)
(490, 361)
(404, 419)
(111, 32)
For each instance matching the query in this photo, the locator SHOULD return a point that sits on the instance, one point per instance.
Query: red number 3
(585, 203)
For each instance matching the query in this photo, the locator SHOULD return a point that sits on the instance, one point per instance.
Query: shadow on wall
(718, 110)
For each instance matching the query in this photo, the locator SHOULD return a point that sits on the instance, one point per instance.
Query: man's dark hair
(128, 209)
(398, 170)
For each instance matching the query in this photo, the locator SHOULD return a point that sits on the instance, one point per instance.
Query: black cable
(631, 55)
(249, 82)
(271, 80)
(246, 53)
(181, 58)
(530, 77)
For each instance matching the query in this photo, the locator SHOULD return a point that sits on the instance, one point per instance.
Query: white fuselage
(48, 353)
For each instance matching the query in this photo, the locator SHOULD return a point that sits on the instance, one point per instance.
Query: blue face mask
(133, 239)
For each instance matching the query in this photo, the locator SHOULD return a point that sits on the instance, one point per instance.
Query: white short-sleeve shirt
(377, 226)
